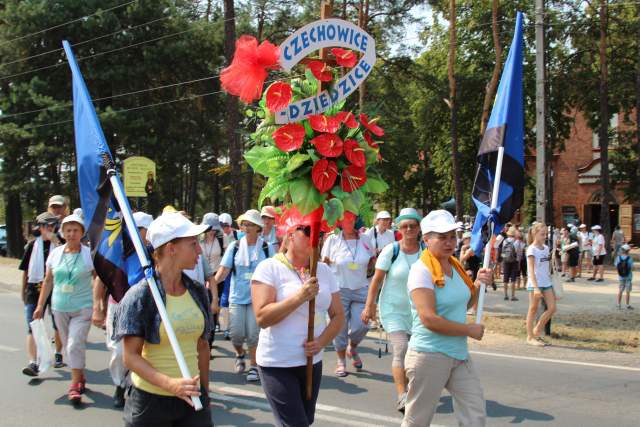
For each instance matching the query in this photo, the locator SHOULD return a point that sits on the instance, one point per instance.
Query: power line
(68, 22)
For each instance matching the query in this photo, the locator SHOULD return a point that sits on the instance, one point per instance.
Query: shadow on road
(498, 410)
(224, 414)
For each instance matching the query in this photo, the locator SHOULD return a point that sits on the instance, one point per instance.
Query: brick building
(576, 184)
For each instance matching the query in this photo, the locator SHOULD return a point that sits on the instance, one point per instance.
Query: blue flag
(114, 257)
(504, 129)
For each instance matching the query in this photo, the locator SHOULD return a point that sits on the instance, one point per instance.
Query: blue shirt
(240, 291)
(628, 259)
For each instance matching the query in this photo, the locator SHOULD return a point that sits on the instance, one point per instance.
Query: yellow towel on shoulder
(434, 267)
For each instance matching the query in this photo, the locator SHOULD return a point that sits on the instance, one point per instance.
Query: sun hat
(383, 215)
(57, 200)
(253, 216)
(596, 227)
(46, 218)
(408, 213)
(625, 247)
(172, 225)
(268, 211)
(438, 221)
(72, 218)
(225, 218)
(142, 220)
(211, 219)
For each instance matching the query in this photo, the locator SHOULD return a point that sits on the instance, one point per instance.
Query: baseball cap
(625, 247)
(211, 219)
(225, 218)
(596, 227)
(583, 226)
(172, 225)
(383, 215)
(142, 219)
(73, 218)
(438, 221)
(46, 218)
(268, 211)
(252, 216)
(57, 200)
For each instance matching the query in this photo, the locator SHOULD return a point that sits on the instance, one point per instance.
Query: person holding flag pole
(120, 258)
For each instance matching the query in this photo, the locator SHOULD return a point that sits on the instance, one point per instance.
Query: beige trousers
(428, 374)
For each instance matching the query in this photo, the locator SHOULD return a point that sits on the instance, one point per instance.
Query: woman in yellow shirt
(159, 395)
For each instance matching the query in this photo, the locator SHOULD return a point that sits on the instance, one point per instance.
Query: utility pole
(541, 181)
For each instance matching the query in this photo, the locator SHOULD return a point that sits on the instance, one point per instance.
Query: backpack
(509, 251)
(624, 269)
(265, 249)
(396, 251)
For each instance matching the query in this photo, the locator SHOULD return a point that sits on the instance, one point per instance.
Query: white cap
(78, 212)
(57, 200)
(72, 218)
(583, 226)
(225, 218)
(625, 247)
(596, 227)
(268, 211)
(253, 216)
(172, 225)
(438, 221)
(142, 220)
(383, 215)
(212, 220)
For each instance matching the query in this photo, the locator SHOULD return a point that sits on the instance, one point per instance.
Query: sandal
(340, 369)
(75, 395)
(357, 362)
(83, 384)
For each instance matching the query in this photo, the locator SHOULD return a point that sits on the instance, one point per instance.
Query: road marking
(319, 406)
(564, 362)
(8, 349)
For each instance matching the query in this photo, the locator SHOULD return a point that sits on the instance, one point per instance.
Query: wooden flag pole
(325, 12)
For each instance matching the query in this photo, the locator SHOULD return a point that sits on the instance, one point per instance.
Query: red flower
(278, 96)
(328, 144)
(324, 174)
(353, 177)
(344, 57)
(369, 139)
(289, 137)
(347, 118)
(320, 70)
(322, 123)
(248, 70)
(354, 153)
(371, 125)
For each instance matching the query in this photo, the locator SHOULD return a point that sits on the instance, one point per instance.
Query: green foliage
(305, 196)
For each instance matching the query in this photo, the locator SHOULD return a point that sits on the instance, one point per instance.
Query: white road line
(322, 407)
(8, 349)
(564, 362)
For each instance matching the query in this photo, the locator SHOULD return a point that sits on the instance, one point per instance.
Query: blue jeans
(28, 314)
(354, 330)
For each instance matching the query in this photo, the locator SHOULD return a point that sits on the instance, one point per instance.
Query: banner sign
(317, 35)
(139, 176)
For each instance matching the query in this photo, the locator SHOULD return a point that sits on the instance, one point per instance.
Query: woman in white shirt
(539, 284)
(599, 252)
(350, 256)
(280, 291)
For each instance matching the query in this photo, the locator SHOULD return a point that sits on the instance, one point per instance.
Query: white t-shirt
(282, 345)
(212, 252)
(419, 277)
(598, 245)
(382, 240)
(349, 260)
(541, 266)
(585, 245)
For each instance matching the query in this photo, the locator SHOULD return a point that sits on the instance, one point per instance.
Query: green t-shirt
(72, 277)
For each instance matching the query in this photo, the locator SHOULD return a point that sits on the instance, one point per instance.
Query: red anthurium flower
(354, 153)
(328, 144)
(324, 174)
(278, 96)
(369, 139)
(347, 118)
(345, 57)
(289, 137)
(353, 177)
(322, 123)
(320, 70)
(371, 125)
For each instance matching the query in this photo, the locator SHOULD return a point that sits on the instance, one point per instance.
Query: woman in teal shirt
(392, 269)
(441, 293)
(70, 276)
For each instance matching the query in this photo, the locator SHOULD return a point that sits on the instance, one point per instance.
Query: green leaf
(353, 202)
(305, 196)
(335, 108)
(267, 161)
(296, 161)
(308, 132)
(337, 192)
(248, 113)
(276, 189)
(376, 185)
(333, 211)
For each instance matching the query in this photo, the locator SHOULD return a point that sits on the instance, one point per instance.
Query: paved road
(520, 392)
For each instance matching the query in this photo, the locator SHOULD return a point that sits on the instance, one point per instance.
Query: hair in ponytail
(534, 230)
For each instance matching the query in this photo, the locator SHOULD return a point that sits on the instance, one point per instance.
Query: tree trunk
(233, 117)
(603, 132)
(455, 157)
(13, 215)
(497, 68)
(208, 13)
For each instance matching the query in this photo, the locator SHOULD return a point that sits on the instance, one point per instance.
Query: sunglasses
(305, 229)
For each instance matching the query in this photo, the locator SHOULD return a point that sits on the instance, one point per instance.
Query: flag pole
(487, 249)
(121, 198)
